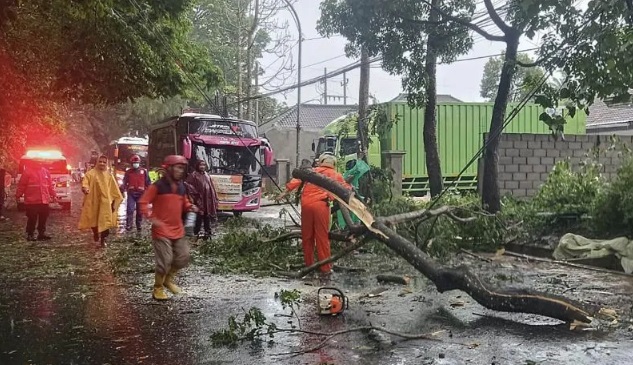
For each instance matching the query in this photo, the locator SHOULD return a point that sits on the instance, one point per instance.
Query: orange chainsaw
(331, 301)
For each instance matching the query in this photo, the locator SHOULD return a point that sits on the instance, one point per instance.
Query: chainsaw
(331, 301)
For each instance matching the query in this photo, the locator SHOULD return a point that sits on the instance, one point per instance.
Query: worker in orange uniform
(315, 212)
(169, 201)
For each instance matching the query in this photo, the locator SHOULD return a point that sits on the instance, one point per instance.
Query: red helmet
(174, 160)
(135, 158)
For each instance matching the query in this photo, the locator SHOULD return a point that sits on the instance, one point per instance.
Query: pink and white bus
(231, 148)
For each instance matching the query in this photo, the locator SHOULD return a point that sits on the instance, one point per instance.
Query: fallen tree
(448, 278)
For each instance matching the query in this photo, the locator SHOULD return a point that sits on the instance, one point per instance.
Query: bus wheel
(237, 213)
(20, 207)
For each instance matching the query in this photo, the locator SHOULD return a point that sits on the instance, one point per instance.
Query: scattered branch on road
(405, 336)
(444, 278)
(303, 272)
(565, 263)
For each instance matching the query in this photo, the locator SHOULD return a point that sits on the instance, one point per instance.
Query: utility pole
(296, 18)
(344, 84)
(325, 96)
(363, 99)
(256, 91)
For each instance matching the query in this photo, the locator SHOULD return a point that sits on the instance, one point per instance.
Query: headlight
(250, 192)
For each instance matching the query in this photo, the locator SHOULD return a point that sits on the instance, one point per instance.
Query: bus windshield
(223, 127)
(229, 160)
(126, 151)
(55, 167)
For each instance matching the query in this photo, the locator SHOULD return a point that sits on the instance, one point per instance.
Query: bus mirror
(186, 148)
(116, 152)
(313, 147)
(268, 156)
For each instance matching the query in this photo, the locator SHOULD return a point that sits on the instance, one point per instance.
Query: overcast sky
(460, 79)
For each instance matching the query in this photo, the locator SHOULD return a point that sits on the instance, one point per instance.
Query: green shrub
(570, 192)
(613, 208)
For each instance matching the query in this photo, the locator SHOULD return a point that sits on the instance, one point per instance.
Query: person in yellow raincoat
(101, 201)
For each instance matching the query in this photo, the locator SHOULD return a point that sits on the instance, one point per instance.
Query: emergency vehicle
(59, 169)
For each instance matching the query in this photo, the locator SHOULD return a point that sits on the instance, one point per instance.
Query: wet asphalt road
(61, 304)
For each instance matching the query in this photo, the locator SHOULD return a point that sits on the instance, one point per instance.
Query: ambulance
(61, 174)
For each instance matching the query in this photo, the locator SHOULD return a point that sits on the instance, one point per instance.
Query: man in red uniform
(315, 213)
(36, 185)
(169, 200)
(135, 181)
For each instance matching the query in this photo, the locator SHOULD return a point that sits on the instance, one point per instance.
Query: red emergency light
(44, 154)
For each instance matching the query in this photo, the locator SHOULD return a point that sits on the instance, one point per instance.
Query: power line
(340, 71)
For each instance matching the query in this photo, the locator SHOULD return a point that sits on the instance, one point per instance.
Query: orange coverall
(315, 217)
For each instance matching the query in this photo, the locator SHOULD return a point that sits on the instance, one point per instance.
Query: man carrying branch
(315, 213)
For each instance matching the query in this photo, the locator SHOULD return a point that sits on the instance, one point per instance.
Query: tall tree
(95, 52)
(521, 85)
(593, 47)
(393, 28)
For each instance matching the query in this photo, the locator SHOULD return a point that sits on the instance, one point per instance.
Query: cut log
(396, 279)
(446, 279)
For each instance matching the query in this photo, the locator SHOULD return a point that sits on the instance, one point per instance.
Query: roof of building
(602, 114)
(441, 98)
(312, 116)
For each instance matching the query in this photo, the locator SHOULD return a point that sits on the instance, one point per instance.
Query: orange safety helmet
(174, 160)
(135, 158)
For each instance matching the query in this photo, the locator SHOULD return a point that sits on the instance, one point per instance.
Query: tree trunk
(430, 137)
(363, 101)
(446, 279)
(491, 196)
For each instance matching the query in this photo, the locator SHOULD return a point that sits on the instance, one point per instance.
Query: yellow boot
(169, 282)
(159, 290)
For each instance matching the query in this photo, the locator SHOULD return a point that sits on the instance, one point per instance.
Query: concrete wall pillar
(393, 161)
(283, 171)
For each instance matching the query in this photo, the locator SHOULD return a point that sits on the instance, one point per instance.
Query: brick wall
(526, 159)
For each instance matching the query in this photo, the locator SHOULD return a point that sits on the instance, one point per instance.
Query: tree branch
(429, 336)
(425, 213)
(467, 24)
(351, 248)
(497, 19)
(446, 278)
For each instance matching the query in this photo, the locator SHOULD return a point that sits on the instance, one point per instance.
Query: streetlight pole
(296, 18)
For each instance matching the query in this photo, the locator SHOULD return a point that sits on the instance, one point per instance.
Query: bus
(120, 151)
(231, 148)
(55, 162)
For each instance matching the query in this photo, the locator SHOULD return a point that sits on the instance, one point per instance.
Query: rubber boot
(169, 282)
(159, 291)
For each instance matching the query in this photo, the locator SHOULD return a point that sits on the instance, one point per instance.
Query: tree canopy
(58, 52)
(522, 84)
(397, 30)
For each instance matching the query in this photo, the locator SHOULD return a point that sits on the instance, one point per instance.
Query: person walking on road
(36, 185)
(4, 189)
(102, 199)
(315, 213)
(135, 181)
(169, 201)
(200, 188)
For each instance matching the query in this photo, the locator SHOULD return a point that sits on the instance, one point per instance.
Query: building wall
(525, 160)
(284, 142)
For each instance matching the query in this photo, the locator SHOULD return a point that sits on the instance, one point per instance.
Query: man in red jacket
(169, 201)
(135, 181)
(36, 185)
